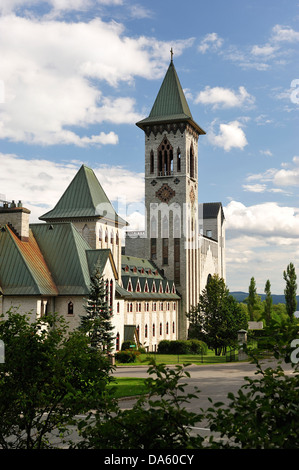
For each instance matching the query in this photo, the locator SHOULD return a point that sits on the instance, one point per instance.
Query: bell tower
(171, 191)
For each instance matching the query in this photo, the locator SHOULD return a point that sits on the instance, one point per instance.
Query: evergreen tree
(268, 301)
(97, 321)
(251, 299)
(290, 291)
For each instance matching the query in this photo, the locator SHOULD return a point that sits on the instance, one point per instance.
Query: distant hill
(277, 299)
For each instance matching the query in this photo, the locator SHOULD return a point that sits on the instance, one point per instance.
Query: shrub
(127, 356)
(182, 347)
(126, 345)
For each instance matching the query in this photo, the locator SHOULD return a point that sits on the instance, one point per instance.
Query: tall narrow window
(145, 331)
(117, 342)
(153, 248)
(154, 329)
(152, 162)
(178, 162)
(100, 234)
(111, 297)
(70, 308)
(165, 250)
(192, 161)
(177, 260)
(160, 329)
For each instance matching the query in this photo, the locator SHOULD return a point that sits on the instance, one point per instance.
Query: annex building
(152, 277)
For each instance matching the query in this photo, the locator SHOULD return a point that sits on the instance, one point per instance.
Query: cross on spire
(171, 54)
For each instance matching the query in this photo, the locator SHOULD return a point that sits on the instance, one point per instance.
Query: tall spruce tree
(97, 321)
(290, 290)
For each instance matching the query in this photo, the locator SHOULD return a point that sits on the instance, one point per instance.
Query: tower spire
(171, 54)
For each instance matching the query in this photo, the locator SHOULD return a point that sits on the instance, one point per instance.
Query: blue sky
(75, 77)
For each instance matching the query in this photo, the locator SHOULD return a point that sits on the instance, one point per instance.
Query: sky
(76, 76)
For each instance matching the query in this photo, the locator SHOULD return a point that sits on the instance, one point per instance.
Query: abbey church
(152, 277)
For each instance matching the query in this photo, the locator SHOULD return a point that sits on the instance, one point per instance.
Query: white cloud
(267, 219)
(284, 34)
(224, 97)
(266, 50)
(52, 73)
(210, 42)
(286, 176)
(255, 188)
(40, 183)
(267, 152)
(230, 136)
(260, 241)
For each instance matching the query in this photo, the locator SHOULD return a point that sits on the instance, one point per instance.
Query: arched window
(117, 342)
(165, 158)
(173, 327)
(106, 235)
(100, 234)
(117, 307)
(167, 328)
(145, 331)
(154, 329)
(160, 329)
(85, 232)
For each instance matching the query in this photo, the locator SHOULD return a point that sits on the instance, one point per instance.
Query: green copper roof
(171, 104)
(23, 270)
(84, 197)
(64, 251)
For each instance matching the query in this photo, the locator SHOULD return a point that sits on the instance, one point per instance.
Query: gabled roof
(171, 104)
(84, 197)
(211, 210)
(23, 269)
(97, 259)
(64, 251)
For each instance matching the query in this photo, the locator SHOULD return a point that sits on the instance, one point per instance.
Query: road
(214, 381)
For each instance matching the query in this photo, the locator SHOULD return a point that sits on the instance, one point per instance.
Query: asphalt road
(214, 381)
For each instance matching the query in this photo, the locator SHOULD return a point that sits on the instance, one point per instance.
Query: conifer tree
(290, 291)
(268, 301)
(97, 321)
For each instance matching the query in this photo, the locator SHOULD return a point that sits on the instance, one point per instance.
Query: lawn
(170, 359)
(127, 387)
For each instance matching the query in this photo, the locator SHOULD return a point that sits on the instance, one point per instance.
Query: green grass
(170, 359)
(127, 387)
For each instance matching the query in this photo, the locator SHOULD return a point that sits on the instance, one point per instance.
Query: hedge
(190, 346)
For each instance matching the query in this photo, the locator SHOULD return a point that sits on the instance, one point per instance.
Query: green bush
(191, 346)
(127, 356)
(126, 345)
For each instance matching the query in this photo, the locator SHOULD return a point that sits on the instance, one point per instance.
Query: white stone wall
(150, 315)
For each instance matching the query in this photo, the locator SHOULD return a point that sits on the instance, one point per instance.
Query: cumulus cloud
(52, 72)
(231, 135)
(40, 183)
(258, 238)
(267, 219)
(287, 176)
(224, 97)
